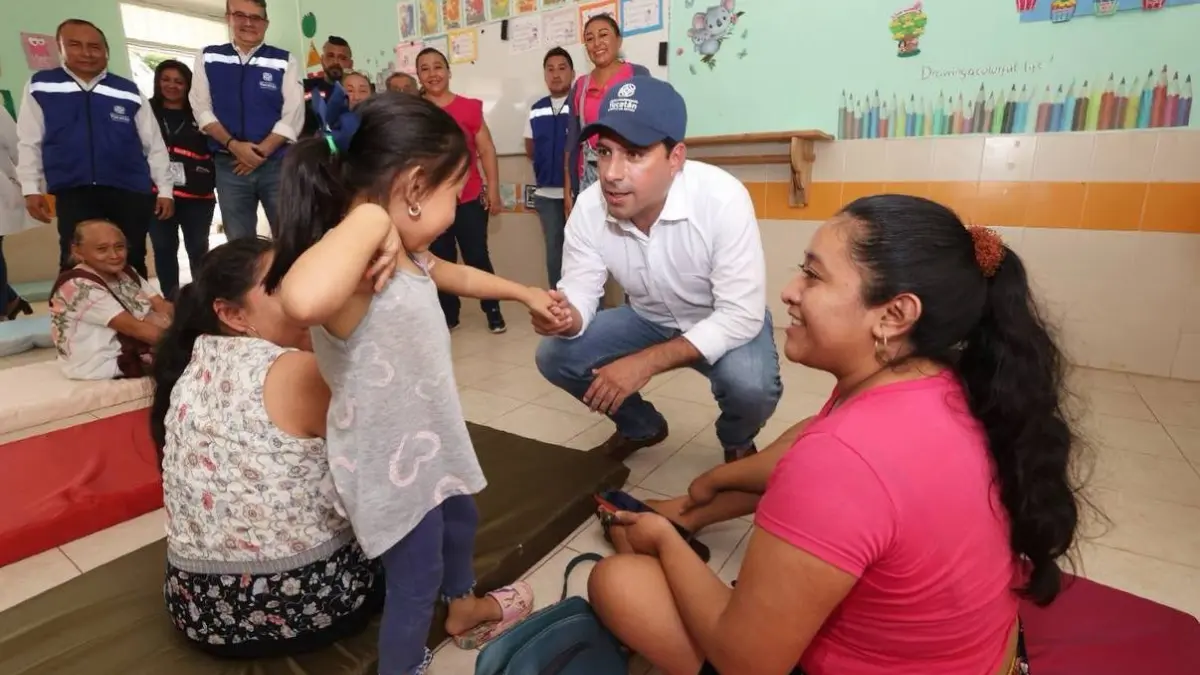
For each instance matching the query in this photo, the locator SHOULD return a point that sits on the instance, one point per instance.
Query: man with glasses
(248, 98)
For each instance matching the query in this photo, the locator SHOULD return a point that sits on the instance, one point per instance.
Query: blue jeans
(553, 215)
(7, 294)
(433, 561)
(192, 216)
(745, 381)
(239, 196)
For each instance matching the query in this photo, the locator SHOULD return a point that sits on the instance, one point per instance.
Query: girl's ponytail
(312, 198)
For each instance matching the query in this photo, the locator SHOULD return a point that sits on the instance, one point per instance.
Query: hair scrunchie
(989, 249)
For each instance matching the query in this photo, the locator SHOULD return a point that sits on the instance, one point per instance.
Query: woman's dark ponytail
(228, 272)
(1014, 374)
(174, 352)
(990, 331)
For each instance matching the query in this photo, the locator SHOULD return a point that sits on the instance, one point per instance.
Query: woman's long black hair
(228, 272)
(156, 101)
(990, 331)
(396, 133)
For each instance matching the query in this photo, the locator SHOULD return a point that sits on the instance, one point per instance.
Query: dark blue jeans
(7, 294)
(434, 561)
(194, 218)
(239, 196)
(745, 381)
(469, 234)
(554, 226)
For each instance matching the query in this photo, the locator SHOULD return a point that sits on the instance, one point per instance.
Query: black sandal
(604, 513)
(19, 306)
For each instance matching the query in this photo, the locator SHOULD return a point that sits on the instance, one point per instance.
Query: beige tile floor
(1143, 471)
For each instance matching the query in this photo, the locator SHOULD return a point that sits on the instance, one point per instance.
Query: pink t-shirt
(468, 112)
(895, 488)
(595, 93)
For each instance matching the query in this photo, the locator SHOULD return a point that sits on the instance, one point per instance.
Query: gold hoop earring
(414, 210)
(881, 351)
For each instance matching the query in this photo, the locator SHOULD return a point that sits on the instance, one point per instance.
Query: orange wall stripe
(1149, 207)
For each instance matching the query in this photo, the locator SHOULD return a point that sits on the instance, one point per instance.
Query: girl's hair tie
(989, 249)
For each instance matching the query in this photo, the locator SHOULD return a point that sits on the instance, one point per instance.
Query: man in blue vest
(92, 139)
(545, 144)
(247, 97)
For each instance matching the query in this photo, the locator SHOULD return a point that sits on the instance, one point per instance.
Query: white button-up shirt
(700, 270)
(291, 121)
(31, 130)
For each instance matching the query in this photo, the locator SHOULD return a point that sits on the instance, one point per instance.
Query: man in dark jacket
(336, 60)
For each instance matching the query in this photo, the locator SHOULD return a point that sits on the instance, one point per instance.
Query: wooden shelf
(763, 137)
(800, 156)
(743, 160)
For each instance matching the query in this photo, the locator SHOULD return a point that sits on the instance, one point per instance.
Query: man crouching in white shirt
(682, 240)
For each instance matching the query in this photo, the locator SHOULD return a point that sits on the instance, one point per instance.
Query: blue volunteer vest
(247, 99)
(549, 141)
(91, 136)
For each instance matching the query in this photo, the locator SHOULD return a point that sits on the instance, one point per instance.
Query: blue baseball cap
(643, 111)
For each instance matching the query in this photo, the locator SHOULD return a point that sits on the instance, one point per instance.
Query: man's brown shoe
(620, 448)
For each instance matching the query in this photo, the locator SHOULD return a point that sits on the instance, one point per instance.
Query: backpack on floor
(564, 639)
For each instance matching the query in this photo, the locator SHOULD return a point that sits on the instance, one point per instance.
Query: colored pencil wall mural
(944, 67)
(1062, 11)
(1154, 100)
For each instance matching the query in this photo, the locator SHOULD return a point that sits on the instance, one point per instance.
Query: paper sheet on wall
(474, 12)
(464, 45)
(560, 27)
(640, 16)
(406, 15)
(41, 51)
(498, 10)
(524, 33)
(525, 6)
(431, 17)
(440, 43)
(406, 56)
(591, 9)
(451, 15)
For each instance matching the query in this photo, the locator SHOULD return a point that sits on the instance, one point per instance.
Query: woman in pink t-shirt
(470, 229)
(602, 39)
(898, 532)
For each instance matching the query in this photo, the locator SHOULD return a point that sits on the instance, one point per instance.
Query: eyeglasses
(255, 19)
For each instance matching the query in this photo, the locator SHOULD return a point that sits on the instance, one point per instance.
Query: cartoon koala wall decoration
(711, 27)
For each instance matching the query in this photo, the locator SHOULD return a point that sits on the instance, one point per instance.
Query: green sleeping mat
(112, 621)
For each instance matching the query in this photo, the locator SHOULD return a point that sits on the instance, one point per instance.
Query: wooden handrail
(761, 137)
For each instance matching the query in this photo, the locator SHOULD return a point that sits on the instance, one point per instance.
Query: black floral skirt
(265, 615)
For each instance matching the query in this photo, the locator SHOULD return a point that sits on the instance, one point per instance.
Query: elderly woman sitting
(105, 318)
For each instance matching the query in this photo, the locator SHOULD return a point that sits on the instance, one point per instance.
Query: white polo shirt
(700, 270)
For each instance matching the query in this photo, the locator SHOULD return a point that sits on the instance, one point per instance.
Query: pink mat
(1092, 629)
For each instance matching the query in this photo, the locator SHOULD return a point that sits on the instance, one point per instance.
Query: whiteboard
(508, 83)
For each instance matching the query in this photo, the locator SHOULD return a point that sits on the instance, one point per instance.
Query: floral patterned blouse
(79, 314)
(242, 496)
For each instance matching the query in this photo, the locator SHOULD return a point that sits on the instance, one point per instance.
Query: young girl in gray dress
(400, 456)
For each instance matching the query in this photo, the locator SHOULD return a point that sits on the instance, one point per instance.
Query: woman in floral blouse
(259, 560)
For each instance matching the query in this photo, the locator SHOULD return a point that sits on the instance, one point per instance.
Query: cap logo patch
(627, 90)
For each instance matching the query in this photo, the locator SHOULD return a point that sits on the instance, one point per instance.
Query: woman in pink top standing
(470, 229)
(900, 529)
(602, 39)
